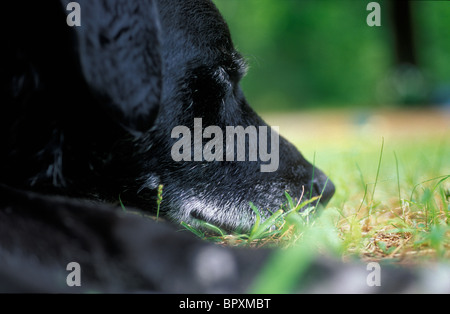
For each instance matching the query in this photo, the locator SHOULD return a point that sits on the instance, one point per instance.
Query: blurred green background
(307, 54)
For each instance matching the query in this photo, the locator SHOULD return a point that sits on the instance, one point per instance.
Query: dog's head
(201, 79)
(168, 75)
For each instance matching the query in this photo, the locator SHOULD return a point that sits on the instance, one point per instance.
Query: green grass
(392, 203)
(280, 228)
(406, 216)
(398, 215)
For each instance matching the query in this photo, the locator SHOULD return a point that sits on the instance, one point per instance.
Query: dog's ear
(119, 51)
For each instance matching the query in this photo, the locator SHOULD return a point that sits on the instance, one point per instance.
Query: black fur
(117, 252)
(89, 110)
(85, 117)
(87, 113)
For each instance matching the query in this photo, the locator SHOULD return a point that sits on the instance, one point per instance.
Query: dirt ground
(328, 126)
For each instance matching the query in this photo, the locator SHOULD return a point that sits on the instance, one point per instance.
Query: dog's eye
(222, 76)
(231, 74)
(238, 66)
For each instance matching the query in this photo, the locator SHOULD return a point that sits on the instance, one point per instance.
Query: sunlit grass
(391, 203)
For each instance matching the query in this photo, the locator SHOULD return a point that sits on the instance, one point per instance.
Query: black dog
(87, 112)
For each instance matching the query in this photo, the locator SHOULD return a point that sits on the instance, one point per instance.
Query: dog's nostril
(317, 188)
(328, 191)
(323, 187)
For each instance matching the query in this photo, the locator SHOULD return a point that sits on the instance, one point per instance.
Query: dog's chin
(230, 213)
(196, 212)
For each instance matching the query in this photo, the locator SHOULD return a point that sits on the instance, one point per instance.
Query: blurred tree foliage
(313, 53)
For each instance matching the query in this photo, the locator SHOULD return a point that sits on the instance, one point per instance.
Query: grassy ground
(392, 173)
(392, 203)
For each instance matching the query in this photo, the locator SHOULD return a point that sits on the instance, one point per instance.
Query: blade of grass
(257, 221)
(195, 231)
(376, 178)
(289, 198)
(312, 179)
(122, 205)
(443, 178)
(213, 228)
(158, 201)
(266, 225)
(398, 179)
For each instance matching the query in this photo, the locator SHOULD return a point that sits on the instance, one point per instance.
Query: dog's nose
(324, 187)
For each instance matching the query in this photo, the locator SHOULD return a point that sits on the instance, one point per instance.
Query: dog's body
(117, 252)
(86, 116)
